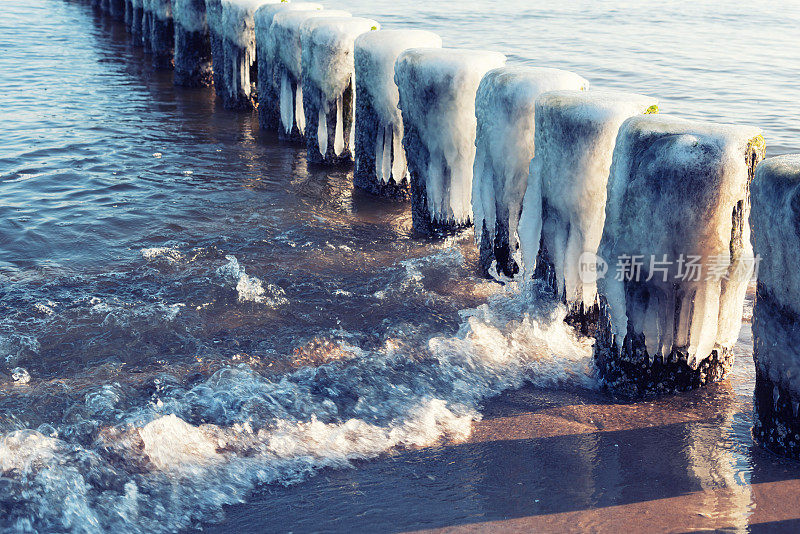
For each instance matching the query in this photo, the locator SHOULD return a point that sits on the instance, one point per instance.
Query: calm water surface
(192, 317)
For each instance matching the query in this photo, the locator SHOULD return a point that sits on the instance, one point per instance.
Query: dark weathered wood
(367, 127)
(312, 102)
(776, 425)
(192, 58)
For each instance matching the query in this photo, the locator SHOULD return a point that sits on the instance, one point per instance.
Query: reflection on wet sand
(559, 461)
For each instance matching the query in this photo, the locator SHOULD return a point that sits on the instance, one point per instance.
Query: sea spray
(190, 450)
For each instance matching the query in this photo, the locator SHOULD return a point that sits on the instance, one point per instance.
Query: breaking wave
(177, 460)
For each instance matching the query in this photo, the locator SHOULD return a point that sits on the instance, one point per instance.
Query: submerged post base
(192, 58)
(631, 372)
(776, 425)
(497, 252)
(365, 175)
(162, 42)
(584, 319)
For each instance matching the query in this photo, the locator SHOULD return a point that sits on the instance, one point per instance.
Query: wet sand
(557, 461)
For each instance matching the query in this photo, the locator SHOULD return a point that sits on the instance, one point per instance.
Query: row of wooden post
(562, 182)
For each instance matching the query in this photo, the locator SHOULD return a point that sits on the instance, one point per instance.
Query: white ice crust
(437, 88)
(284, 35)
(237, 21)
(184, 12)
(775, 219)
(214, 16)
(375, 55)
(505, 109)
(327, 51)
(564, 205)
(676, 196)
(264, 16)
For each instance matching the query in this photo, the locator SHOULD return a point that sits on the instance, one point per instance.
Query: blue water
(151, 241)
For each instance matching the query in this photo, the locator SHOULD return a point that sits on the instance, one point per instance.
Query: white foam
(20, 375)
(437, 88)
(249, 288)
(505, 110)
(162, 466)
(168, 254)
(190, 14)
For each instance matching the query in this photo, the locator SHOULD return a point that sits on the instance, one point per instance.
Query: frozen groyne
(505, 110)
(775, 219)
(437, 88)
(565, 201)
(380, 160)
(268, 83)
(192, 44)
(328, 77)
(676, 242)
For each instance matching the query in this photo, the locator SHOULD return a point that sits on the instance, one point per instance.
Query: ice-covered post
(677, 247)
(239, 50)
(192, 45)
(284, 40)
(776, 319)
(214, 24)
(268, 82)
(328, 78)
(147, 24)
(158, 33)
(505, 109)
(380, 161)
(116, 8)
(565, 200)
(437, 88)
(135, 20)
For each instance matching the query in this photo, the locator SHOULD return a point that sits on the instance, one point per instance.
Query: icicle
(286, 104)
(651, 328)
(399, 167)
(703, 332)
(338, 135)
(435, 185)
(299, 114)
(668, 317)
(379, 155)
(386, 163)
(322, 131)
